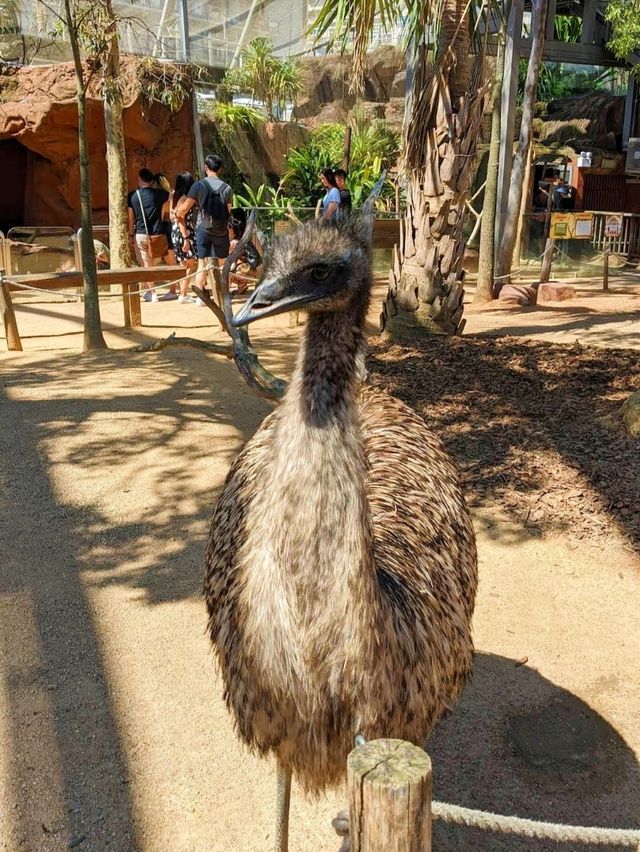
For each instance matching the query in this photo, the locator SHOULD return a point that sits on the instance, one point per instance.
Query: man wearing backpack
(213, 197)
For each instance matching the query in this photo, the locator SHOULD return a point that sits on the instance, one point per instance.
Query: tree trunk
(505, 255)
(486, 254)
(425, 291)
(527, 195)
(119, 242)
(93, 338)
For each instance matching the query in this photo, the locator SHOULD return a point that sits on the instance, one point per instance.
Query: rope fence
(389, 787)
(558, 832)
(77, 295)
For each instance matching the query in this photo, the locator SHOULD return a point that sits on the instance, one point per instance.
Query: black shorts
(211, 246)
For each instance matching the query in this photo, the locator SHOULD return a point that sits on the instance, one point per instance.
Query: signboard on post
(613, 225)
(571, 226)
(561, 226)
(583, 227)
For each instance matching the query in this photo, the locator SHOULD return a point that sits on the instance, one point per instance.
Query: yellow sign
(571, 226)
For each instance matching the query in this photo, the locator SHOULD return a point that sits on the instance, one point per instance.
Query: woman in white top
(331, 200)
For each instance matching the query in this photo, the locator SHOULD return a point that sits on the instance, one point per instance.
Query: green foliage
(624, 17)
(263, 76)
(264, 196)
(231, 118)
(556, 81)
(272, 204)
(568, 28)
(374, 147)
(166, 83)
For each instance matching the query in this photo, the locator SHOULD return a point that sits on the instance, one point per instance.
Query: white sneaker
(147, 296)
(186, 300)
(200, 303)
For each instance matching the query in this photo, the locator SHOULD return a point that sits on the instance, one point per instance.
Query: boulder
(631, 414)
(398, 84)
(394, 113)
(370, 110)
(327, 83)
(518, 294)
(556, 292)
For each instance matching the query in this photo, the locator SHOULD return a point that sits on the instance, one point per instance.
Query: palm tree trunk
(505, 255)
(119, 243)
(426, 292)
(93, 338)
(486, 255)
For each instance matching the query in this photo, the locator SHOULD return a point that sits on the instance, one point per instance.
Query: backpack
(215, 213)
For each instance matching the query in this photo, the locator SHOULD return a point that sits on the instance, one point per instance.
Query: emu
(341, 570)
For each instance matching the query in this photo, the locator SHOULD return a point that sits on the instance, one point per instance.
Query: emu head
(321, 267)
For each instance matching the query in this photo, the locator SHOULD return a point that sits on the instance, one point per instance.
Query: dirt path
(112, 730)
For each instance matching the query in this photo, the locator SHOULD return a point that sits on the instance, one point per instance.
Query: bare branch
(255, 375)
(206, 298)
(172, 340)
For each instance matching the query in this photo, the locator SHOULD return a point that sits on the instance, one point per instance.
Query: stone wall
(38, 110)
(327, 97)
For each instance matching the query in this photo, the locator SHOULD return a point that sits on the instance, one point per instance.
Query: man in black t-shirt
(147, 207)
(345, 196)
(213, 197)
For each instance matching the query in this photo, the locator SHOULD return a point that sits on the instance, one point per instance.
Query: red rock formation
(38, 109)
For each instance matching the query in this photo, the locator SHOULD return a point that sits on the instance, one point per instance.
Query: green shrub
(374, 147)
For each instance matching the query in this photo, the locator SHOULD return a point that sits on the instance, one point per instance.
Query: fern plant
(231, 118)
(265, 77)
(374, 147)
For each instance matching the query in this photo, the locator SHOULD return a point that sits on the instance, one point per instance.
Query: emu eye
(320, 273)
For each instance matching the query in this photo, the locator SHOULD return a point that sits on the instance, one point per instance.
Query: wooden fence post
(131, 302)
(547, 260)
(14, 344)
(389, 797)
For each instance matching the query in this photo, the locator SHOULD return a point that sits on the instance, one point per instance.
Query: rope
(522, 268)
(22, 286)
(598, 257)
(532, 828)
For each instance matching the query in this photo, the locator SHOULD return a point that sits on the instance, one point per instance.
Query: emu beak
(271, 297)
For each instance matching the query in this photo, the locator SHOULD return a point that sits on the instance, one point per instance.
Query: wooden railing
(627, 244)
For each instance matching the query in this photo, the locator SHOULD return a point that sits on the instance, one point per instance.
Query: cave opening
(14, 158)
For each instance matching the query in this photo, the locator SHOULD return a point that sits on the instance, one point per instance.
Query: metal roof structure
(209, 32)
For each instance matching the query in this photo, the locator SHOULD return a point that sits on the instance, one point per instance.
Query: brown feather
(341, 570)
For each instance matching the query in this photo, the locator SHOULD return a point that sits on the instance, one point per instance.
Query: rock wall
(327, 97)
(38, 110)
(255, 156)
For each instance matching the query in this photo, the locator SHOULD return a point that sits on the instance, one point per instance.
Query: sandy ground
(113, 735)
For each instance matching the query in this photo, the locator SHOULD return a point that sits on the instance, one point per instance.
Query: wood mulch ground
(534, 427)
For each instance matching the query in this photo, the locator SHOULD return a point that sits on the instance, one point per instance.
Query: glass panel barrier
(37, 249)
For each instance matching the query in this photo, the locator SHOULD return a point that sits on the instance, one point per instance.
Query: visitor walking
(160, 181)
(331, 200)
(147, 206)
(345, 196)
(183, 234)
(213, 198)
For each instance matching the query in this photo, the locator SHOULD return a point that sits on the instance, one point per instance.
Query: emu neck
(318, 467)
(311, 530)
(325, 378)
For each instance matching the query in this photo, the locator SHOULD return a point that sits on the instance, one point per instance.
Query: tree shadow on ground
(131, 428)
(65, 775)
(520, 745)
(534, 427)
